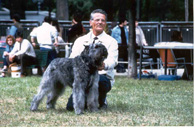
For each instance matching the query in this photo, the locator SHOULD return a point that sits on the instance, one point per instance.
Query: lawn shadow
(134, 108)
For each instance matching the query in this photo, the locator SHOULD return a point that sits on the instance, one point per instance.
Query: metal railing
(154, 31)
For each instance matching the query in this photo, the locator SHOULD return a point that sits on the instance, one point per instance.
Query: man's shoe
(22, 75)
(3, 70)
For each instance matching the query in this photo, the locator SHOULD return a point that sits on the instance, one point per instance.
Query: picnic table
(166, 46)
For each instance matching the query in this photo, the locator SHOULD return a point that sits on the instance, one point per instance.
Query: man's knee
(104, 84)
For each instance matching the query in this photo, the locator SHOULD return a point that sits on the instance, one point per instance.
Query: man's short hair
(98, 11)
(47, 19)
(122, 20)
(19, 33)
(16, 17)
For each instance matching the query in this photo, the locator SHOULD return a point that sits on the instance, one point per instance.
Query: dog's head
(96, 52)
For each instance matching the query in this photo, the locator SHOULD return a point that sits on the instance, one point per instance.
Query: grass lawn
(131, 103)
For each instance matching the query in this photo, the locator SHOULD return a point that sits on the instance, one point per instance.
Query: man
(98, 23)
(16, 26)
(23, 53)
(140, 38)
(121, 34)
(47, 35)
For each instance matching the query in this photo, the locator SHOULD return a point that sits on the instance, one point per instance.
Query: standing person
(141, 41)
(77, 28)
(140, 37)
(23, 53)
(55, 23)
(16, 26)
(44, 35)
(121, 34)
(98, 22)
(10, 41)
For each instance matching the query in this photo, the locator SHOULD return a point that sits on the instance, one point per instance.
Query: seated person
(10, 40)
(177, 37)
(23, 53)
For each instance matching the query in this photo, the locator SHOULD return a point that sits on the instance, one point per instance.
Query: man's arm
(112, 58)
(33, 41)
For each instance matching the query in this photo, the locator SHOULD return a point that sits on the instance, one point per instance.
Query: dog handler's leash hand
(101, 67)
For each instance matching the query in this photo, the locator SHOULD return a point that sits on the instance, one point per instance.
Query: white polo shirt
(44, 34)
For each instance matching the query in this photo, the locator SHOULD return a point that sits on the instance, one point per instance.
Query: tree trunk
(62, 10)
(138, 9)
(132, 64)
(186, 10)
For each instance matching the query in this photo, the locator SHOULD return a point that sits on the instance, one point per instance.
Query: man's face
(98, 23)
(19, 39)
(136, 23)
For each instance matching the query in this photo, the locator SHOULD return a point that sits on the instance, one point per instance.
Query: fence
(28, 25)
(154, 31)
(166, 29)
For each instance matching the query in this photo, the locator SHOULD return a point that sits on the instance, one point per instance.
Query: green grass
(131, 103)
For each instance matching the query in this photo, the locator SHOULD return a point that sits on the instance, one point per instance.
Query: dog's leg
(54, 95)
(37, 99)
(78, 97)
(43, 90)
(92, 97)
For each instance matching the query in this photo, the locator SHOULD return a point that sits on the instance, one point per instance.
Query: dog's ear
(86, 45)
(86, 49)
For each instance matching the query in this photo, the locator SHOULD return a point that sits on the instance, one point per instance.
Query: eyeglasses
(97, 20)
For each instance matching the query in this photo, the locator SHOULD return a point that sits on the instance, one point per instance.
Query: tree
(17, 7)
(62, 10)
(186, 10)
(132, 64)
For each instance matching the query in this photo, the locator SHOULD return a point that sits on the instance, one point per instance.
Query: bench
(1, 56)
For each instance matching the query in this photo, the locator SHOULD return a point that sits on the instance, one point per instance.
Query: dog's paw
(93, 109)
(33, 107)
(50, 106)
(79, 112)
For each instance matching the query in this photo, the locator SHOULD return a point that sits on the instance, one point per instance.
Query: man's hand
(102, 67)
(55, 44)
(6, 53)
(11, 58)
(33, 44)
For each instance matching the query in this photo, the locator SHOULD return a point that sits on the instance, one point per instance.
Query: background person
(10, 41)
(98, 22)
(140, 37)
(44, 35)
(22, 53)
(16, 26)
(177, 37)
(77, 28)
(121, 34)
(55, 23)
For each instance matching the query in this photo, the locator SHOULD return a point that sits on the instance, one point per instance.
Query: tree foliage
(150, 10)
(165, 10)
